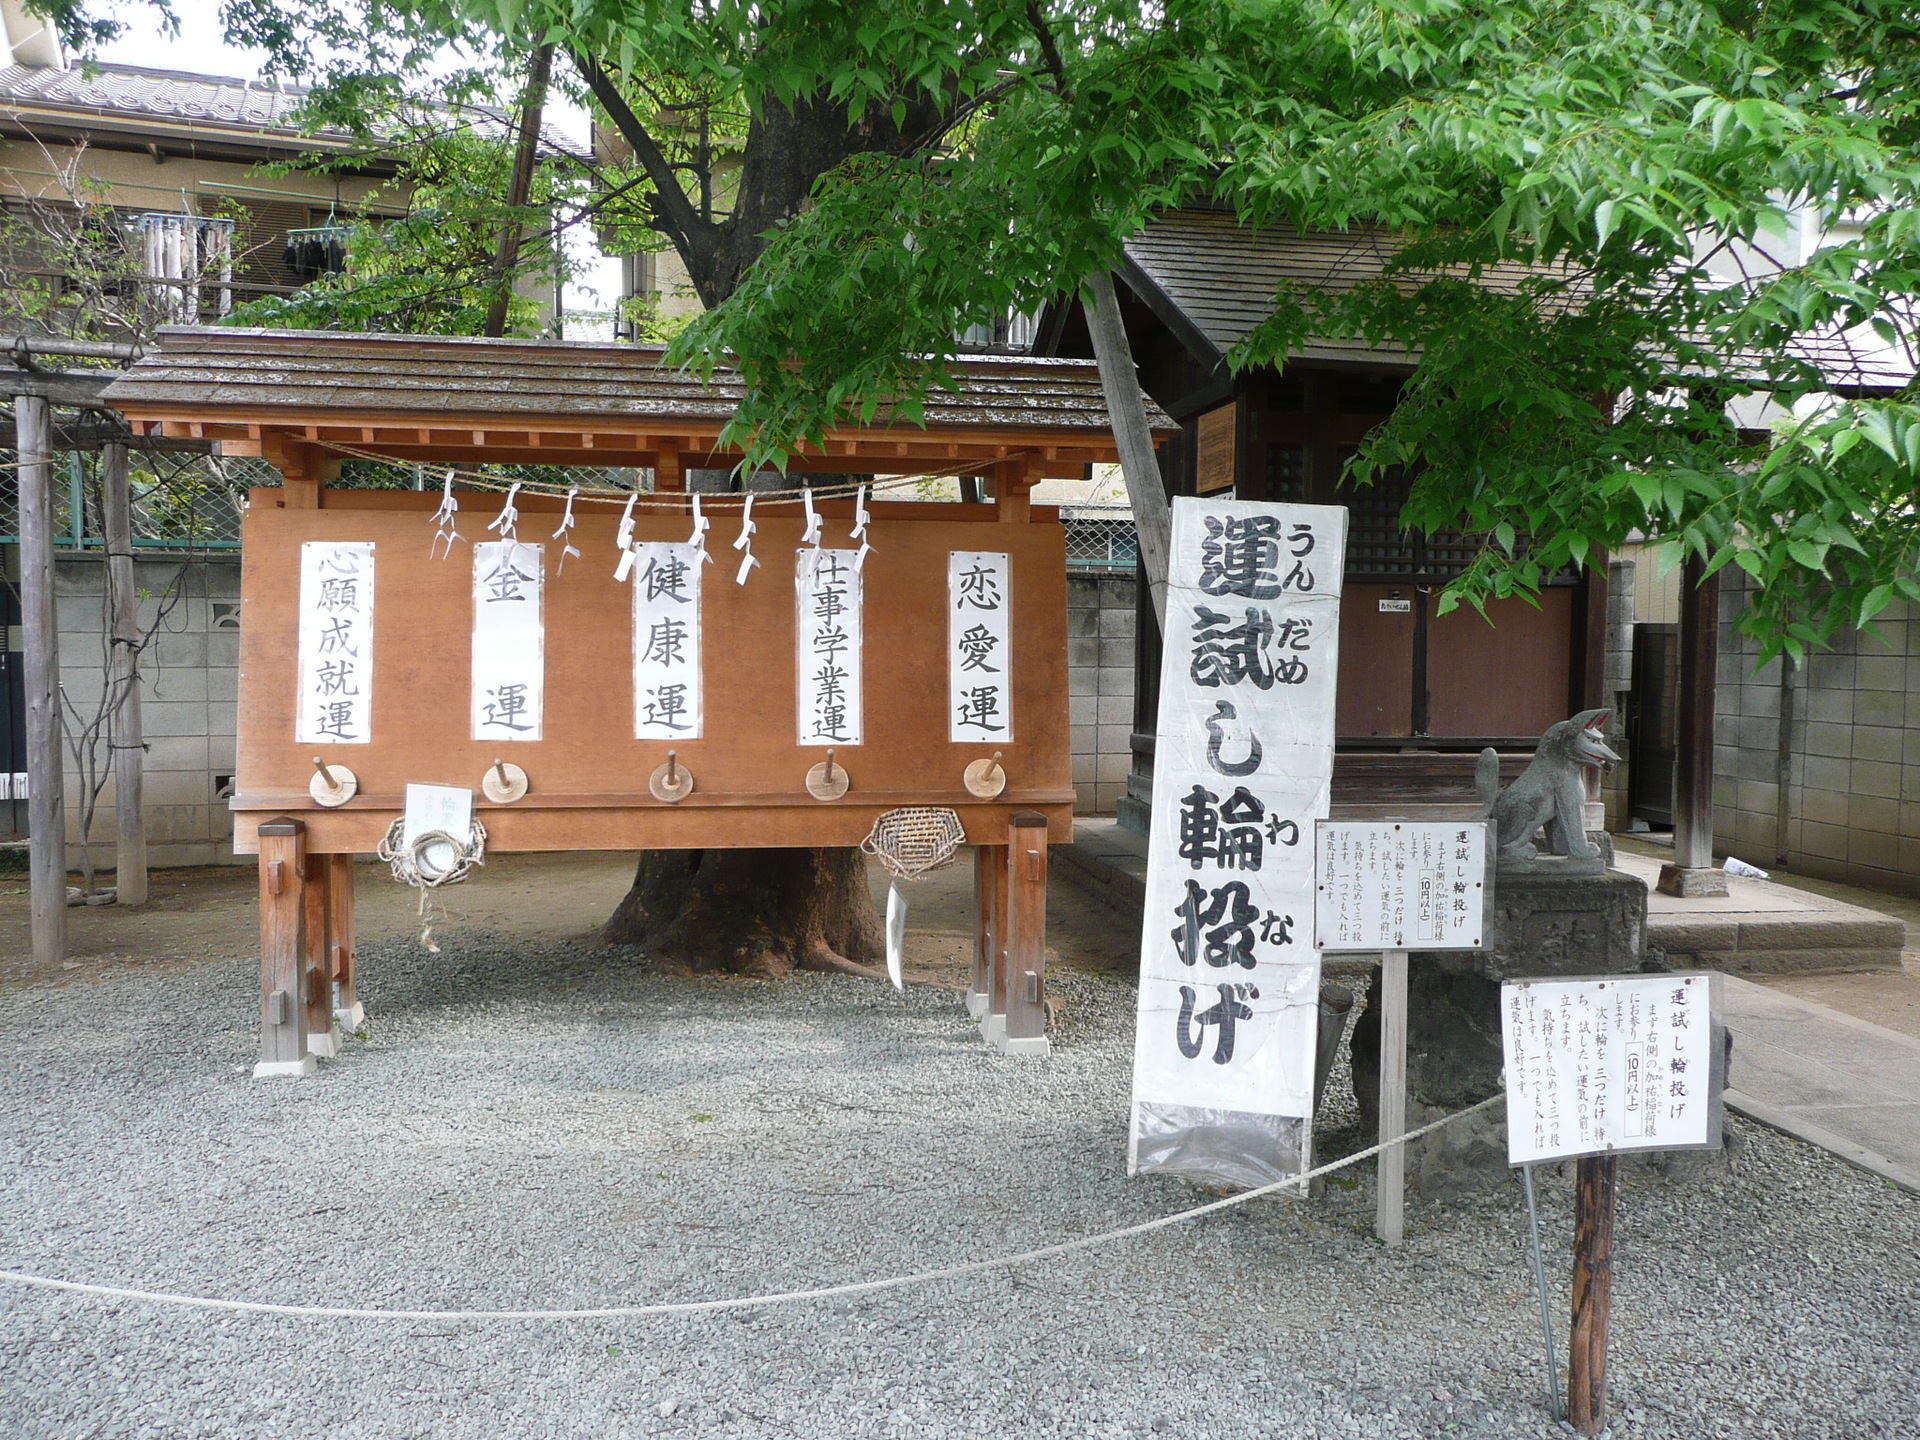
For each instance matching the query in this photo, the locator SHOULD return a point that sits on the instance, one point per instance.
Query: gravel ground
(533, 1124)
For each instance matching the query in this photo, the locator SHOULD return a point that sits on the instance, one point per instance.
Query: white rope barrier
(740, 1302)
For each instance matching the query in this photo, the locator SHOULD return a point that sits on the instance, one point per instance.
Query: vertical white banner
(666, 640)
(509, 666)
(335, 704)
(979, 645)
(827, 596)
(1243, 765)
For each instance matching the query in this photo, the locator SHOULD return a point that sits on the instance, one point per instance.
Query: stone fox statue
(1550, 792)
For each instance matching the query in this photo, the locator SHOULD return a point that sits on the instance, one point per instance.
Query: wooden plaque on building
(1214, 470)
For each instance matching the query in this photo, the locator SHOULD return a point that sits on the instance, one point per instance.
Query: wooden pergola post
(341, 963)
(1020, 989)
(46, 791)
(989, 861)
(1024, 957)
(123, 679)
(1693, 872)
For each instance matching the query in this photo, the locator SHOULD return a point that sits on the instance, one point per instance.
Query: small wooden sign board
(1610, 1063)
(1390, 886)
(1594, 1066)
(1400, 885)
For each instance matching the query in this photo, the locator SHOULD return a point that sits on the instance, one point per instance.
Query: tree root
(819, 956)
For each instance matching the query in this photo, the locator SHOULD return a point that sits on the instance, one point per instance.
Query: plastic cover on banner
(1243, 764)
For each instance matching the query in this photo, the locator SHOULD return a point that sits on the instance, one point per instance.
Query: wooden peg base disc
(504, 792)
(985, 779)
(344, 787)
(821, 787)
(681, 787)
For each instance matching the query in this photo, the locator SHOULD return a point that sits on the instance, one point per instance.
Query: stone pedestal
(1543, 925)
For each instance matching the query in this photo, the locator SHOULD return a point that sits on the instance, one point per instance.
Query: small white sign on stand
(1391, 886)
(445, 809)
(1617, 1062)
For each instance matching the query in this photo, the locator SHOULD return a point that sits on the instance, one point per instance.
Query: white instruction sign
(1400, 884)
(1625, 1062)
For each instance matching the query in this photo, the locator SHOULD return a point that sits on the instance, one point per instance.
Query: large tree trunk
(752, 912)
(757, 912)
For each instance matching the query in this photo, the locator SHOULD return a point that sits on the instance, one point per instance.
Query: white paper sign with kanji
(1243, 762)
(509, 669)
(335, 703)
(1400, 884)
(666, 639)
(979, 645)
(827, 599)
(1623, 1062)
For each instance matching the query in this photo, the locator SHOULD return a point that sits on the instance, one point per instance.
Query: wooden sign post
(1390, 886)
(1595, 1067)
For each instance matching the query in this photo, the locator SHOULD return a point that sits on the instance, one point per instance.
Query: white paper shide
(335, 702)
(1223, 1059)
(509, 667)
(827, 599)
(666, 638)
(1624, 1062)
(1400, 884)
(979, 645)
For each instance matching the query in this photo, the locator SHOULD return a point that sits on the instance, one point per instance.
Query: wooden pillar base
(342, 963)
(988, 862)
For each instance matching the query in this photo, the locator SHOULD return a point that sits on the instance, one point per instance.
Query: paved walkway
(1832, 1079)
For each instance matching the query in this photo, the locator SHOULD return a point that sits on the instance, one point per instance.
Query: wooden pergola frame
(304, 402)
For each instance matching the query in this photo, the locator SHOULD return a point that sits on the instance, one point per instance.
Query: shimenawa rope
(739, 1302)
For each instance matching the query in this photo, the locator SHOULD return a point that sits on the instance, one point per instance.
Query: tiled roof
(1213, 280)
(102, 91)
(311, 372)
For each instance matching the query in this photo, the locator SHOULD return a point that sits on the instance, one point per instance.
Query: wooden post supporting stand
(993, 1020)
(123, 675)
(1026, 948)
(340, 957)
(988, 862)
(316, 969)
(283, 1016)
(1592, 1293)
(1390, 1199)
(46, 795)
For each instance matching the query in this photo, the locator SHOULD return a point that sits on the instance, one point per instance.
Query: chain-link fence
(1099, 537)
(180, 501)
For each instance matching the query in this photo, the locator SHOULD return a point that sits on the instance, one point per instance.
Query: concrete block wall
(189, 686)
(1853, 752)
(1100, 687)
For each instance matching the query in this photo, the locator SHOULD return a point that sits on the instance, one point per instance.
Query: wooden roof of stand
(571, 402)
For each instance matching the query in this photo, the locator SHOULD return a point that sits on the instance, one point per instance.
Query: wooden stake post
(1023, 960)
(46, 798)
(123, 675)
(1592, 1293)
(1390, 1198)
